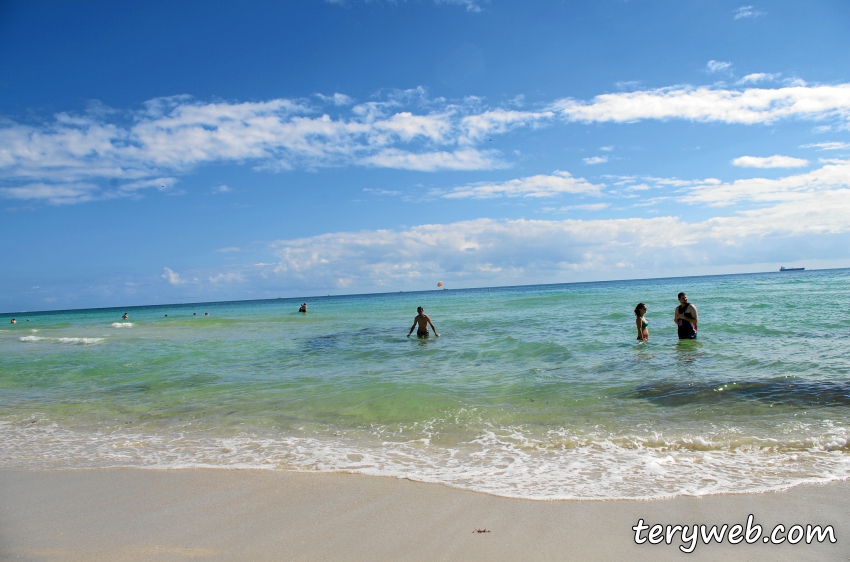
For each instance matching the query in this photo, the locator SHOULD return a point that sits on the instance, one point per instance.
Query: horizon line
(390, 293)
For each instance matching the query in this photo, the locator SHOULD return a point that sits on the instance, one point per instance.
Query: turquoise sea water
(537, 392)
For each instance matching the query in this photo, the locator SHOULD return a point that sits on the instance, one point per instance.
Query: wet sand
(131, 514)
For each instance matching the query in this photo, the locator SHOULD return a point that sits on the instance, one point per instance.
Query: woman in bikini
(641, 323)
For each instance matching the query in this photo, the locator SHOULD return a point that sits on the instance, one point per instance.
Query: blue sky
(171, 152)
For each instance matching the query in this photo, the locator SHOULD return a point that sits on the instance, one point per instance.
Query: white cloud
(714, 66)
(390, 192)
(596, 160)
(172, 276)
(61, 194)
(775, 161)
(534, 186)
(470, 5)
(336, 99)
(222, 189)
(587, 207)
(176, 134)
(747, 12)
(487, 252)
(74, 159)
(478, 126)
(835, 145)
(72, 193)
(233, 277)
(750, 106)
(467, 159)
(833, 176)
(757, 77)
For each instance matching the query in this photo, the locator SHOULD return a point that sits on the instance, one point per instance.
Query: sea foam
(501, 462)
(61, 340)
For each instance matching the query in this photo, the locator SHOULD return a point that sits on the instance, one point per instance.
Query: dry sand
(129, 514)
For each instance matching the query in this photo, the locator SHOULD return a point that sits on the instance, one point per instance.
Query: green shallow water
(538, 392)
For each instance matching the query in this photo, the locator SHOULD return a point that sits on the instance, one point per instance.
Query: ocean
(537, 392)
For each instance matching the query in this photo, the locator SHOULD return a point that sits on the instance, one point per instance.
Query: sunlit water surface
(535, 392)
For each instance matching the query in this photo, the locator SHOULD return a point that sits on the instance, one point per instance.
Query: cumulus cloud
(714, 66)
(775, 161)
(749, 106)
(534, 186)
(172, 276)
(596, 160)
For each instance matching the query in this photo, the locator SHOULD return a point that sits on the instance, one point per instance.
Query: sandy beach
(132, 514)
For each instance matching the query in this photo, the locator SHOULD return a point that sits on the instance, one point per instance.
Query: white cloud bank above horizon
(489, 251)
(801, 216)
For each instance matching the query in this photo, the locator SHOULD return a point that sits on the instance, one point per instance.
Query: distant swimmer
(423, 321)
(303, 307)
(194, 314)
(206, 313)
(166, 316)
(125, 316)
(641, 323)
(14, 321)
(686, 318)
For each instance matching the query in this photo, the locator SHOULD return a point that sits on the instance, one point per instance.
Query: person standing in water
(686, 318)
(641, 323)
(303, 307)
(422, 320)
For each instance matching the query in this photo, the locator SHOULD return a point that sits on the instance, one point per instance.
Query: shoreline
(225, 514)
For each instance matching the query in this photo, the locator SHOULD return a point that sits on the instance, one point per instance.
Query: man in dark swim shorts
(422, 320)
(686, 318)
